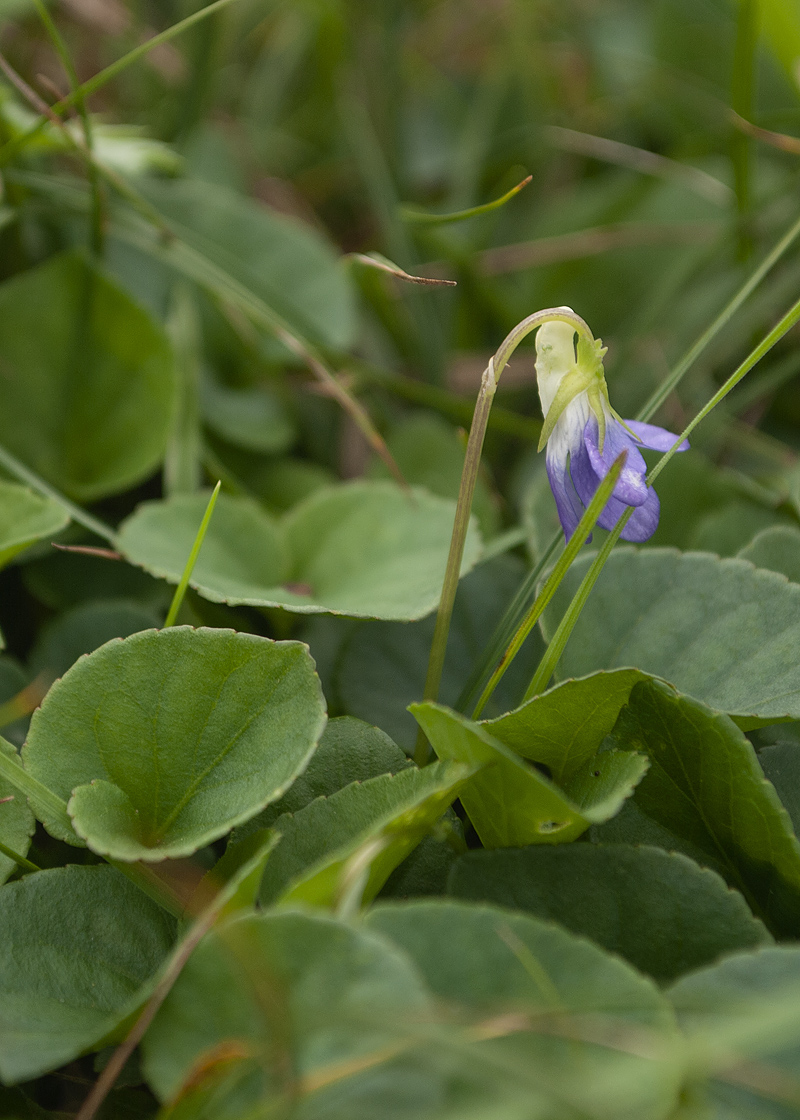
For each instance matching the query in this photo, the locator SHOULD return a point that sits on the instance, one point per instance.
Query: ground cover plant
(400, 685)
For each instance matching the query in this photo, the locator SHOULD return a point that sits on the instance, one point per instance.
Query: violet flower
(584, 435)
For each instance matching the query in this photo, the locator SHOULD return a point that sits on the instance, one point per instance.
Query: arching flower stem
(469, 477)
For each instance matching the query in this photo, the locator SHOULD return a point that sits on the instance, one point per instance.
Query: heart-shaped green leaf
(87, 388)
(719, 630)
(365, 549)
(657, 909)
(741, 1017)
(164, 741)
(512, 804)
(78, 944)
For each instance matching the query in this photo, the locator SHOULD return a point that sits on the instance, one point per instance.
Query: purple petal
(567, 502)
(583, 474)
(631, 487)
(657, 439)
(644, 521)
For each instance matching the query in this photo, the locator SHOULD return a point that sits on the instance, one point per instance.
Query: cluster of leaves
(215, 849)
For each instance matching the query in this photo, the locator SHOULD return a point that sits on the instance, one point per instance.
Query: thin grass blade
(180, 590)
(576, 542)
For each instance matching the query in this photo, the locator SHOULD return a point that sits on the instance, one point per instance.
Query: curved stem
(469, 476)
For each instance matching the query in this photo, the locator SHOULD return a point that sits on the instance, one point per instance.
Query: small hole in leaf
(299, 588)
(551, 826)
(596, 773)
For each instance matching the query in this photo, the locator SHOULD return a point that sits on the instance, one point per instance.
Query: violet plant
(232, 884)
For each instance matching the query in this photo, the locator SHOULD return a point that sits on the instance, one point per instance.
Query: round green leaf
(743, 1008)
(363, 549)
(242, 549)
(493, 962)
(78, 944)
(719, 630)
(87, 388)
(345, 993)
(657, 909)
(164, 741)
(26, 517)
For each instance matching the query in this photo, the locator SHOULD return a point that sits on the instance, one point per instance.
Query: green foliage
(16, 825)
(366, 549)
(716, 629)
(380, 820)
(80, 944)
(164, 741)
(487, 960)
(286, 262)
(213, 843)
(511, 803)
(777, 549)
(379, 668)
(349, 751)
(90, 404)
(657, 909)
(705, 787)
(25, 518)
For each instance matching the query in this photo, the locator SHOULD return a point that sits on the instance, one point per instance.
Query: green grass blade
(77, 95)
(576, 542)
(423, 217)
(674, 378)
(19, 860)
(552, 654)
(505, 629)
(81, 92)
(180, 590)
